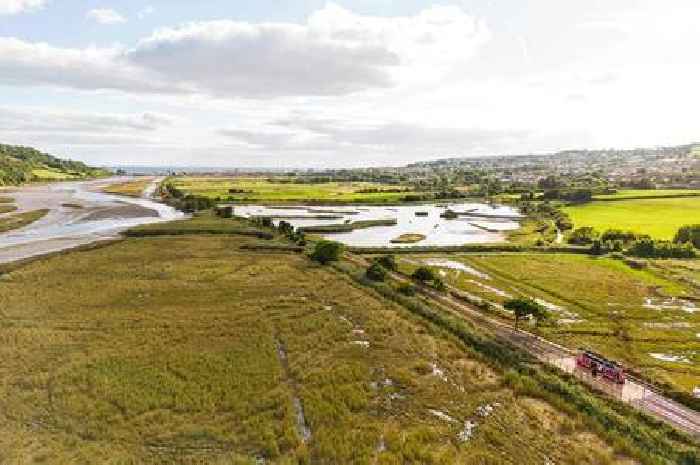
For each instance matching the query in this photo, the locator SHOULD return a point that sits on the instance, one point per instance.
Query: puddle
(455, 265)
(674, 325)
(443, 416)
(670, 358)
(491, 289)
(670, 304)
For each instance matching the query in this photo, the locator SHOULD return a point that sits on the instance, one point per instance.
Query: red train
(599, 365)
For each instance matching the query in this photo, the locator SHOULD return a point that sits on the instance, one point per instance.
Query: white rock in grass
(468, 431)
(443, 416)
(363, 344)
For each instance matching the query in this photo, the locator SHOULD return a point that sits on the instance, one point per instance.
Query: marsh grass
(166, 350)
(130, 189)
(20, 220)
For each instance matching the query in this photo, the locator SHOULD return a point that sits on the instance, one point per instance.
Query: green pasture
(659, 218)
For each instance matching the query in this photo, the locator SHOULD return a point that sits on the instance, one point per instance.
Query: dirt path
(302, 426)
(634, 392)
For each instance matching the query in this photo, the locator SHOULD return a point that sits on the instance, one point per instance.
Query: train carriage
(599, 365)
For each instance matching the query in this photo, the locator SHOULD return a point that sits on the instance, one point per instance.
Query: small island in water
(408, 239)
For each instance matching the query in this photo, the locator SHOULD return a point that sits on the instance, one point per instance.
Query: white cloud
(341, 88)
(29, 63)
(145, 12)
(11, 7)
(105, 16)
(335, 52)
(31, 119)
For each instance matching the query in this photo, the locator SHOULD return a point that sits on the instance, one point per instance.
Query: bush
(584, 235)
(327, 251)
(408, 290)
(439, 285)
(375, 272)
(689, 234)
(623, 236)
(423, 274)
(388, 262)
(649, 248)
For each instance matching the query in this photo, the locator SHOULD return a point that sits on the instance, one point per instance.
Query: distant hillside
(25, 164)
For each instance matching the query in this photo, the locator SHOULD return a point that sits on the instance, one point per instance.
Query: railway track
(635, 392)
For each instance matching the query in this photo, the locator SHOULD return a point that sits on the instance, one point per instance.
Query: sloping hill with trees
(19, 165)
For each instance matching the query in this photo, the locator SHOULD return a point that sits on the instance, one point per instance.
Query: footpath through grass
(190, 350)
(659, 218)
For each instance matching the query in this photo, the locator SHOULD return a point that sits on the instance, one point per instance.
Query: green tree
(327, 251)
(584, 235)
(523, 308)
(376, 272)
(388, 262)
(439, 284)
(408, 290)
(423, 274)
(689, 234)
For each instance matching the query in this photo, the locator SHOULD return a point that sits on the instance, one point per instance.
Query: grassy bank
(347, 227)
(190, 350)
(20, 220)
(469, 248)
(130, 189)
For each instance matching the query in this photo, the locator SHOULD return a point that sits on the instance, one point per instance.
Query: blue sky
(344, 83)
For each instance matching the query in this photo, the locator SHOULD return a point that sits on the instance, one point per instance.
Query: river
(79, 213)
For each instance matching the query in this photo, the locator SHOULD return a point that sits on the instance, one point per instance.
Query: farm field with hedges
(659, 218)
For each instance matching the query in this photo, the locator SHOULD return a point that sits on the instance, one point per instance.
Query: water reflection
(480, 223)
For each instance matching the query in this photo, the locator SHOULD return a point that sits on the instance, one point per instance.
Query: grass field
(49, 174)
(130, 189)
(7, 208)
(184, 350)
(599, 302)
(261, 190)
(20, 220)
(660, 218)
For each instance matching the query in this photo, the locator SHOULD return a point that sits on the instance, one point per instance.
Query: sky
(347, 83)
